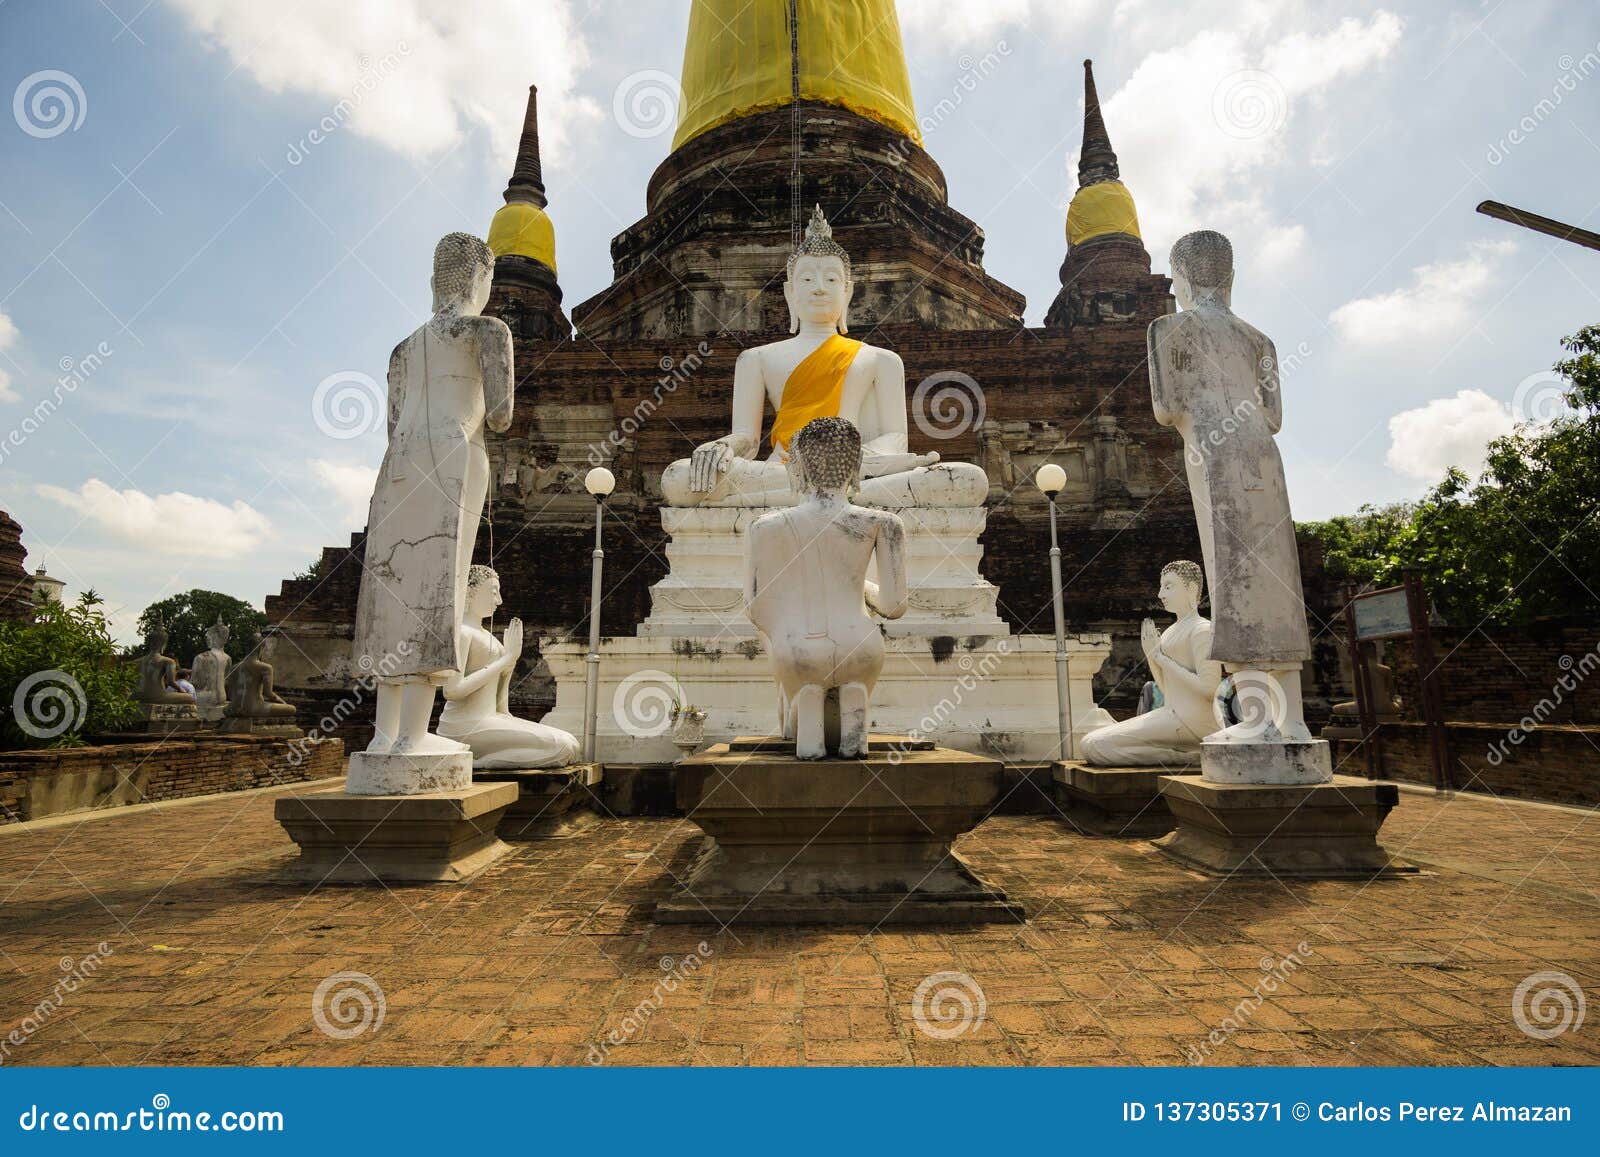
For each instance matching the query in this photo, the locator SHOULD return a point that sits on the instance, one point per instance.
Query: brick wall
(1549, 671)
(35, 784)
(1558, 764)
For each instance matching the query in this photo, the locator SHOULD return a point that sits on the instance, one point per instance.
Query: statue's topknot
(819, 242)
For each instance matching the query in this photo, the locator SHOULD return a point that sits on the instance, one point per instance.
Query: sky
(189, 279)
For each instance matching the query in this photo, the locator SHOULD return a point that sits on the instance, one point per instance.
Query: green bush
(60, 677)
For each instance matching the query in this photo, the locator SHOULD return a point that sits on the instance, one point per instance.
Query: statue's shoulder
(751, 357)
(884, 359)
(488, 328)
(886, 521)
(1163, 323)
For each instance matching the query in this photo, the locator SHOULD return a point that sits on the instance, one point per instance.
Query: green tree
(1521, 542)
(188, 615)
(60, 678)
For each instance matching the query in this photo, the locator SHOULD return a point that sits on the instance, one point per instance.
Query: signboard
(1384, 614)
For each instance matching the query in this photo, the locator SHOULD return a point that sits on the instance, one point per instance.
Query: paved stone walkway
(1128, 959)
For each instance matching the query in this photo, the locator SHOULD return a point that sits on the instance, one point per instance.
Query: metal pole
(591, 688)
(1063, 683)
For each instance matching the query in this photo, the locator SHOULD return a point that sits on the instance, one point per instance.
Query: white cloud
(1198, 125)
(174, 523)
(417, 73)
(1427, 441)
(968, 23)
(8, 338)
(1438, 303)
(349, 485)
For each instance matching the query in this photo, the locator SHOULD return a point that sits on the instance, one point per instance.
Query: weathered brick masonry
(36, 784)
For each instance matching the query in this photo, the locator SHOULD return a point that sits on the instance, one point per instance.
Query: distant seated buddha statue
(252, 700)
(158, 672)
(819, 373)
(477, 702)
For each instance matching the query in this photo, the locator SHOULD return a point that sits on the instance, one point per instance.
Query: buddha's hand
(877, 463)
(513, 642)
(1150, 640)
(708, 464)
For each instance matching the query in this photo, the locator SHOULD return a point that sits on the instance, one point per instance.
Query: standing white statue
(446, 382)
(806, 589)
(477, 702)
(211, 672)
(819, 373)
(1215, 379)
(1186, 675)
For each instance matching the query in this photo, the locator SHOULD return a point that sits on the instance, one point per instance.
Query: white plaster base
(703, 595)
(373, 774)
(1279, 763)
(989, 696)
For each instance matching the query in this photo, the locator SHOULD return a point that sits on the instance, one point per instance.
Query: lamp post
(1050, 479)
(600, 482)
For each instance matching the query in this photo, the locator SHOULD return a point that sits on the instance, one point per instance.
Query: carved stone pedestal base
(279, 730)
(836, 841)
(375, 774)
(1279, 762)
(167, 719)
(1317, 830)
(550, 802)
(1112, 801)
(442, 837)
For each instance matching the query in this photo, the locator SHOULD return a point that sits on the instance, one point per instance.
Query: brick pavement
(1127, 959)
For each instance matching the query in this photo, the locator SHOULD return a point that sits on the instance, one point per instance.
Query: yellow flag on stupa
(739, 61)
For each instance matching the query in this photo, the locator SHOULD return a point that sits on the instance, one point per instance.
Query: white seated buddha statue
(1182, 668)
(819, 373)
(477, 702)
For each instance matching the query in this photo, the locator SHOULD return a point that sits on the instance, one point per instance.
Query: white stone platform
(953, 673)
(985, 695)
(703, 595)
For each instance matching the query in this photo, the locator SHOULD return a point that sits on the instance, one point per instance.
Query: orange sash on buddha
(814, 388)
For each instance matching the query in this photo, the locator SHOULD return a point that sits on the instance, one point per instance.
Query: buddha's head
(266, 644)
(1202, 270)
(1181, 585)
(818, 287)
(825, 457)
(217, 635)
(483, 591)
(463, 271)
(155, 639)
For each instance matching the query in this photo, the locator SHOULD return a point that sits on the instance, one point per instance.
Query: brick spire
(1097, 163)
(527, 178)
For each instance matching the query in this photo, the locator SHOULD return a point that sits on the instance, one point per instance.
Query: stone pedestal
(237, 725)
(703, 593)
(440, 837)
(1327, 830)
(383, 774)
(952, 672)
(167, 718)
(1113, 801)
(550, 801)
(1282, 762)
(989, 696)
(836, 841)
